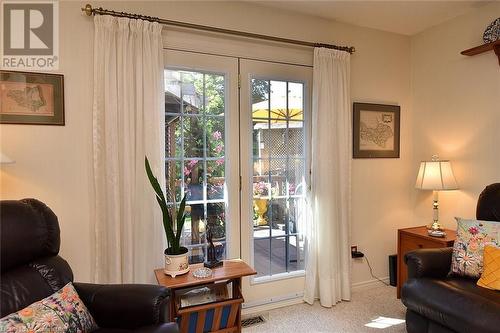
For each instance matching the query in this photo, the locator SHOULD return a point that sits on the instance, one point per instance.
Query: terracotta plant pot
(176, 264)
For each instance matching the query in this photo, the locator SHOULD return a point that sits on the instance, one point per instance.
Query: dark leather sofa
(32, 270)
(438, 303)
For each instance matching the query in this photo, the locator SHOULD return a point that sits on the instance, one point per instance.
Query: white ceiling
(399, 16)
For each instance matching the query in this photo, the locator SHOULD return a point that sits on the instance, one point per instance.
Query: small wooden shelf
(495, 46)
(192, 318)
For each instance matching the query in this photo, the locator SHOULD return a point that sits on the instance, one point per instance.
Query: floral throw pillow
(472, 236)
(61, 312)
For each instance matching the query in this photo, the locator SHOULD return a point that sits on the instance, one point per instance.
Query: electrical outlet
(355, 253)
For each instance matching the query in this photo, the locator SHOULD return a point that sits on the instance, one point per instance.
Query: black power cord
(371, 272)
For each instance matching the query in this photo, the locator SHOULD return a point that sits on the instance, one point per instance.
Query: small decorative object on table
(436, 175)
(31, 98)
(211, 253)
(176, 256)
(492, 32)
(436, 232)
(202, 272)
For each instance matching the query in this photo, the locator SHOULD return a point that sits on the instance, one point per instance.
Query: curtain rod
(89, 11)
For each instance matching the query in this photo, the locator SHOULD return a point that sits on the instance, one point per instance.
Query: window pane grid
(178, 159)
(278, 236)
(194, 101)
(279, 175)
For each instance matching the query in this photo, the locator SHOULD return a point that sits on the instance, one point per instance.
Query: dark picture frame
(376, 130)
(28, 98)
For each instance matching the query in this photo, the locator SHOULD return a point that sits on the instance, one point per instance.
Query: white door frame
(266, 289)
(229, 67)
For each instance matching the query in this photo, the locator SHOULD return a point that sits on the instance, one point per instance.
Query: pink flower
(49, 320)
(473, 230)
(219, 162)
(218, 149)
(216, 135)
(189, 168)
(260, 188)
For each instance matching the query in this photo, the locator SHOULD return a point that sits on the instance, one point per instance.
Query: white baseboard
(272, 303)
(369, 284)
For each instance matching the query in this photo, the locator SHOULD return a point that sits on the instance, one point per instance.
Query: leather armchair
(439, 303)
(432, 263)
(126, 305)
(31, 269)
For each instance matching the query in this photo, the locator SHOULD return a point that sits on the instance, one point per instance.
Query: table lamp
(437, 176)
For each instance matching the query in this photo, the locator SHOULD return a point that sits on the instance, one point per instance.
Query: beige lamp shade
(436, 175)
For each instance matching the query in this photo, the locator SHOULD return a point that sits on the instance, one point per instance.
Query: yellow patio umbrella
(277, 115)
(261, 112)
(284, 103)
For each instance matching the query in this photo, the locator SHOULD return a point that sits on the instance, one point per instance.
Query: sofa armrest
(127, 306)
(429, 262)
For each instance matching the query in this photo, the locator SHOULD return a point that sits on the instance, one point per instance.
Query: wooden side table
(410, 239)
(231, 271)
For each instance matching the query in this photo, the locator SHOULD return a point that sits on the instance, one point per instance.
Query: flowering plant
(260, 189)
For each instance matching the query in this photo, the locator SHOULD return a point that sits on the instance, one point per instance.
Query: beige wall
(456, 103)
(54, 163)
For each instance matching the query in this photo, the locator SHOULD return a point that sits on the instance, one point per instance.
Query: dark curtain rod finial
(89, 11)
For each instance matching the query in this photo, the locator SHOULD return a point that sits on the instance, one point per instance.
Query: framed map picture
(31, 98)
(375, 131)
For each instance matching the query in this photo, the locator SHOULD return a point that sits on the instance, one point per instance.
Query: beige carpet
(345, 317)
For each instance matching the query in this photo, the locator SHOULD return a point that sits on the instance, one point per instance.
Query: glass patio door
(201, 149)
(240, 154)
(274, 115)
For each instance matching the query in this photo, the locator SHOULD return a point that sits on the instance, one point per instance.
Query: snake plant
(173, 234)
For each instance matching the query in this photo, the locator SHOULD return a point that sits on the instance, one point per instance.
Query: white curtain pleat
(328, 231)
(128, 123)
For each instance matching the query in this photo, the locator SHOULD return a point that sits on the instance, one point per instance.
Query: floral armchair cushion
(62, 311)
(472, 236)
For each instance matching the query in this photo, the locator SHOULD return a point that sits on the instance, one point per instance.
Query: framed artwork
(375, 130)
(31, 98)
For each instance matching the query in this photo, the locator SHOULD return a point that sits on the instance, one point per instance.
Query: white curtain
(128, 123)
(327, 234)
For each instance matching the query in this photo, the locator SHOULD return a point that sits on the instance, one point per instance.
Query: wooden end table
(415, 238)
(231, 270)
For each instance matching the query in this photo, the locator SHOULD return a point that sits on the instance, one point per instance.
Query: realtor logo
(30, 35)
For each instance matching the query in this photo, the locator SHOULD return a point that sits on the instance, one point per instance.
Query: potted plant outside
(176, 256)
(260, 201)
